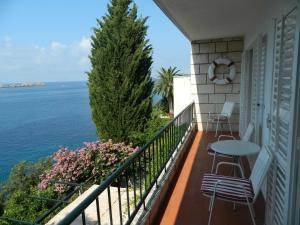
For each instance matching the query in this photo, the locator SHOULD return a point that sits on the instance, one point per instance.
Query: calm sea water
(36, 121)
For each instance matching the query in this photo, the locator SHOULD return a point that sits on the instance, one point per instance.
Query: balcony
(187, 205)
(134, 189)
(159, 184)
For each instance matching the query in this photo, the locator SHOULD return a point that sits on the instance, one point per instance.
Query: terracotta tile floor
(187, 205)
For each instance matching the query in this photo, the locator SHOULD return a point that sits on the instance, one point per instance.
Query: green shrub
(154, 124)
(23, 176)
(163, 105)
(23, 205)
(21, 183)
(157, 121)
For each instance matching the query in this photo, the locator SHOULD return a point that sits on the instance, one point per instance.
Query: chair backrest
(227, 109)
(248, 133)
(260, 169)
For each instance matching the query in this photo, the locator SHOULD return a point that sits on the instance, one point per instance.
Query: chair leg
(206, 126)
(211, 206)
(252, 214)
(217, 129)
(234, 207)
(229, 124)
(253, 211)
(241, 163)
(213, 164)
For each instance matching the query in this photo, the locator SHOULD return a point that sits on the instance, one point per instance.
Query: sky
(49, 40)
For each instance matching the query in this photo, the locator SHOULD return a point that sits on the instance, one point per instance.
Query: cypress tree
(120, 86)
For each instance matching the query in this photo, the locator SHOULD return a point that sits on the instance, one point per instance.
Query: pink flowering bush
(96, 158)
(70, 166)
(110, 155)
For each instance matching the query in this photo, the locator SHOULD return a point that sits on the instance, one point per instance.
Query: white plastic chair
(242, 191)
(223, 117)
(246, 137)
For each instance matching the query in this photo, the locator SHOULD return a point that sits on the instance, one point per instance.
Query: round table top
(235, 147)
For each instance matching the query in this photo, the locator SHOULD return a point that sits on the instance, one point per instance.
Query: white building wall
(182, 93)
(209, 97)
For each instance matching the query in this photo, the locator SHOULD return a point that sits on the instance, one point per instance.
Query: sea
(36, 121)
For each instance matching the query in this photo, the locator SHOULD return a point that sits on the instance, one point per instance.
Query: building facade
(262, 39)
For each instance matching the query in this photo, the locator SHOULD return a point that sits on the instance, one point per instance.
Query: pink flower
(79, 165)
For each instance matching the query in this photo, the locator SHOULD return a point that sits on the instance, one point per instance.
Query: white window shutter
(262, 71)
(253, 72)
(260, 88)
(243, 96)
(284, 76)
(257, 92)
(255, 75)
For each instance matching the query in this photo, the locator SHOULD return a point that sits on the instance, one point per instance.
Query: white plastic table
(235, 148)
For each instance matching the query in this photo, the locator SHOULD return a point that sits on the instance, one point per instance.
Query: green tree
(120, 85)
(164, 85)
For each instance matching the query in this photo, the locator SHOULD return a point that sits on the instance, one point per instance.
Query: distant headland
(24, 84)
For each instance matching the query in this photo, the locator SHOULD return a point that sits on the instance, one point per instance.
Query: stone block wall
(208, 96)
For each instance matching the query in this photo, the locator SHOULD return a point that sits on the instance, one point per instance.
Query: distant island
(25, 84)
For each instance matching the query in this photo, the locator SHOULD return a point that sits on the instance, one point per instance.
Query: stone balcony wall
(208, 96)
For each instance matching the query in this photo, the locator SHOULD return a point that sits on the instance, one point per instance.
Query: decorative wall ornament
(229, 78)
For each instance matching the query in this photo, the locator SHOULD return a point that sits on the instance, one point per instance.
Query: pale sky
(49, 40)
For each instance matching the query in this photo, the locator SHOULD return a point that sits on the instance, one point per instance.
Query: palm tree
(164, 85)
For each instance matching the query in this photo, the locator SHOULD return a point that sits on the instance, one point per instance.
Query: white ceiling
(207, 19)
